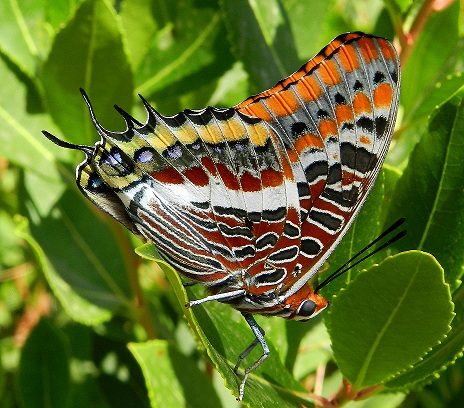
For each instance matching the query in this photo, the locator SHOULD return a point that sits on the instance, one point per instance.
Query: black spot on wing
(357, 158)
(285, 254)
(358, 86)
(310, 247)
(381, 125)
(315, 170)
(339, 99)
(299, 128)
(270, 278)
(326, 219)
(365, 123)
(379, 77)
(345, 198)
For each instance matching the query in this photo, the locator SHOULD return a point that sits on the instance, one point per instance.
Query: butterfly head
(304, 304)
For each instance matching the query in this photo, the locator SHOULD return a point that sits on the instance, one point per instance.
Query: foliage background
(73, 293)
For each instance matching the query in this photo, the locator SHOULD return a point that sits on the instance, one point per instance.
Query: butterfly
(250, 201)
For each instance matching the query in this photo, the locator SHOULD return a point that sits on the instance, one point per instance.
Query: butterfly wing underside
(265, 189)
(336, 117)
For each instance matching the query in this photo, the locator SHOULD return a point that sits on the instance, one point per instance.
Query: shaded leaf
(88, 281)
(23, 144)
(44, 368)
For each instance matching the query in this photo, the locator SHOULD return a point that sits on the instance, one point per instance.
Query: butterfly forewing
(337, 120)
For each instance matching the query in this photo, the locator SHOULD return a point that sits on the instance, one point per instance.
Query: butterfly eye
(306, 309)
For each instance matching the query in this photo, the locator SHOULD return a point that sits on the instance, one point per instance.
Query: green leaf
(377, 323)
(23, 33)
(44, 368)
(23, 145)
(441, 91)
(433, 48)
(90, 282)
(140, 27)
(311, 38)
(180, 49)
(224, 334)
(172, 379)
(271, 56)
(88, 53)
(430, 193)
(402, 5)
(313, 349)
(439, 357)
(378, 400)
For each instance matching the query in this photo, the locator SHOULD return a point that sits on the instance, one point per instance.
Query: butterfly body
(251, 200)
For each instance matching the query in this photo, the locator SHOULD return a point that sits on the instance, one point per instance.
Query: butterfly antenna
(86, 149)
(346, 266)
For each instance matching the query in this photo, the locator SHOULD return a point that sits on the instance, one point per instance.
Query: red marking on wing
(361, 104)
(209, 165)
(328, 127)
(197, 176)
(250, 183)
(229, 179)
(329, 73)
(343, 113)
(348, 58)
(368, 49)
(383, 96)
(271, 178)
(168, 176)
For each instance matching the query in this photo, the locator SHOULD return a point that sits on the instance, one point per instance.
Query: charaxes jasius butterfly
(251, 200)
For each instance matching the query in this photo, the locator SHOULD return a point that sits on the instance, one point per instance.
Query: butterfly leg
(219, 296)
(259, 339)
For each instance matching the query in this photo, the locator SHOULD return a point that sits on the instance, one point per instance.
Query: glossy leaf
(430, 194)
(173, 380)
(98, 63)
(273, 44)
(434, 47)
(377, 323)
(441, 356)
